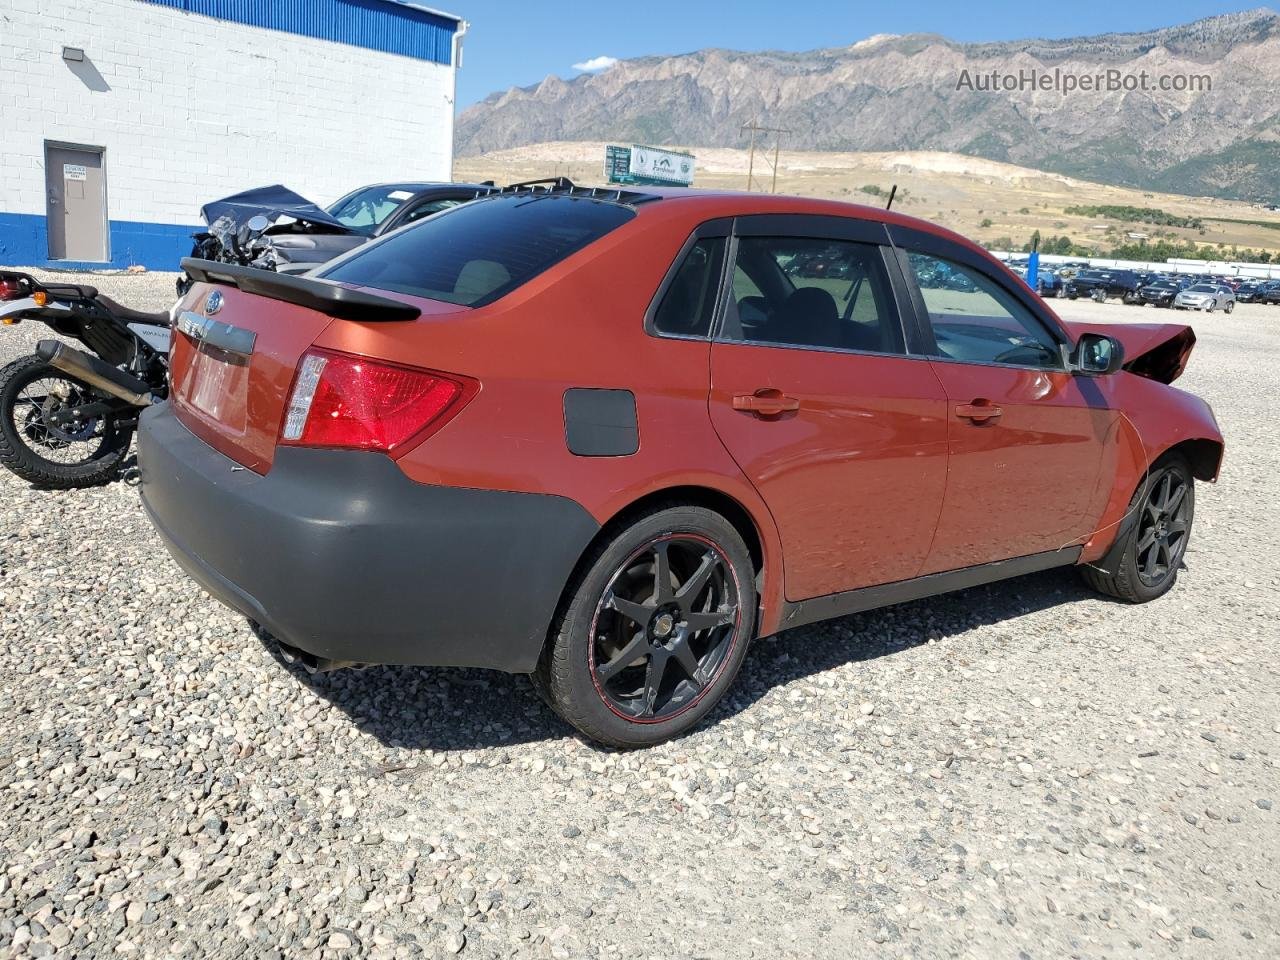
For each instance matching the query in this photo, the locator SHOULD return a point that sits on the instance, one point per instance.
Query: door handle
(980, 411)
(765, 403)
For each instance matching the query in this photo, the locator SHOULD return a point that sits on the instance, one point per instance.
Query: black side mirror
(1097, 355)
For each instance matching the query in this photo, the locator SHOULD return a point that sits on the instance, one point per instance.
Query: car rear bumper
(341, 555)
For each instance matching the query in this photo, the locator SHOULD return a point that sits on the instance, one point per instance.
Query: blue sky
(513, 43)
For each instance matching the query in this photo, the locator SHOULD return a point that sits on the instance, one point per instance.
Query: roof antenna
(893, 192)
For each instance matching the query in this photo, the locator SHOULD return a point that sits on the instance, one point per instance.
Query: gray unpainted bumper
(339, 554)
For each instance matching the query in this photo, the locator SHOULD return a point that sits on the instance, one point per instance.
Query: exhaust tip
(313, 664)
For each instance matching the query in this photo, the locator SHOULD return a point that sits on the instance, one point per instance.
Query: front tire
(653, 630)
(47, 455)
(1156, 543)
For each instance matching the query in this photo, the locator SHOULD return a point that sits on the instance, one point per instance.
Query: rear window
(480, 251)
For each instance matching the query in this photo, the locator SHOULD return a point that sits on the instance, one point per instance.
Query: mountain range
(1218, 136)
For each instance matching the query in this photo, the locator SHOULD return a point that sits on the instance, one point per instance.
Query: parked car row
(1169, 290)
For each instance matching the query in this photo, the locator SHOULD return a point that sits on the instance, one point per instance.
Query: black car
(1257, 291)
(1247, 292)
(1105, 284)
(1159, 293)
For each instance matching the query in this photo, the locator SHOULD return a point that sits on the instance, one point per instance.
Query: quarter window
(809, 292)
(690, 299)
(975, 319)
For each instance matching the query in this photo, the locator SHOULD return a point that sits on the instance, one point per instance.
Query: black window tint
(800, 291)
(975, 319)
(690, 298)
(480, 251)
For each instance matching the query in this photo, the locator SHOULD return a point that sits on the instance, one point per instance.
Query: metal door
(75, 187)
(847, 446)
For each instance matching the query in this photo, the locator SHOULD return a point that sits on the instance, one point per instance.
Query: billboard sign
(617, 164)
(665, 165)
(648, 165)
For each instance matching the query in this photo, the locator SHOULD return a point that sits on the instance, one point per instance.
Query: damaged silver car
(274, 228)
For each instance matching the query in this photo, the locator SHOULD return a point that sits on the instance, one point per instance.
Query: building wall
(189, 109)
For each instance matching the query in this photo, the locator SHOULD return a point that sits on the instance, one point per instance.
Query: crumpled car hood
(272, 202)
(1157, 351)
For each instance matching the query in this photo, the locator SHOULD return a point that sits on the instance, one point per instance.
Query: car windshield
(1203, 288)
(364, 210)
(479, 251)
(1165, 285)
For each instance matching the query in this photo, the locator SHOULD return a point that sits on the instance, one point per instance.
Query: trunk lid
(231, 372)
(239, 335)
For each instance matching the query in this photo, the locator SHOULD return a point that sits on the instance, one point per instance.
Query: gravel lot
(1022, 770)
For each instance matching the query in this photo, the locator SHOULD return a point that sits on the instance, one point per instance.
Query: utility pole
(755, 128)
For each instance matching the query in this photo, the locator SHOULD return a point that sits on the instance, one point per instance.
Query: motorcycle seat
(158, 319)
(72, 290)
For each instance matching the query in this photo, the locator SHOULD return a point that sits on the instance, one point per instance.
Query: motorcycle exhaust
(95, 372)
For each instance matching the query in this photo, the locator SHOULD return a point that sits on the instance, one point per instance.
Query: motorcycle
(67, 417)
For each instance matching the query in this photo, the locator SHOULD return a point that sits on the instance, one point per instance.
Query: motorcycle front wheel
(61, 456)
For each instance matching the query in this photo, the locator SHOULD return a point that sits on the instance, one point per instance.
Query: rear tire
(28, 445)
(686, 573)
(1157, 542)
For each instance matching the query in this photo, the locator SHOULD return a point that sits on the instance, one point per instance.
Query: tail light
(340, 400)
(12, 290)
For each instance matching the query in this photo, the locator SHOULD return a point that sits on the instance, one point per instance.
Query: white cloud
(595, 64)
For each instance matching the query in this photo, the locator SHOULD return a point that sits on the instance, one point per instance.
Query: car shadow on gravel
(433, 708)
(429, 708)
(795, 654)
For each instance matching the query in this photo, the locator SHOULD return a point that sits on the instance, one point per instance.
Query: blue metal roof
(392, 26)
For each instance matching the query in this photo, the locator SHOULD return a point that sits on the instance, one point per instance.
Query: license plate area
(215, 382)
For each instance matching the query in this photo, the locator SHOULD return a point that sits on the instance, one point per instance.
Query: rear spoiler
(319, 295)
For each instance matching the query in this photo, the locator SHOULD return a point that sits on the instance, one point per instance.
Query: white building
(120, 118)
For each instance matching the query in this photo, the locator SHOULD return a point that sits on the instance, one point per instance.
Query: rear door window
(813, 292)
(482, 250)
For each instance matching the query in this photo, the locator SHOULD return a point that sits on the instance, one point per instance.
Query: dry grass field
(979, 198)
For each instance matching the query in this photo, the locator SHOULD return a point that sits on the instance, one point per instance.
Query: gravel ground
(1024, 770)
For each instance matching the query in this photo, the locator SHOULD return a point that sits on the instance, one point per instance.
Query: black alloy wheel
(1163, 527)
(664, 627)
(1159, 520)
(652, 629)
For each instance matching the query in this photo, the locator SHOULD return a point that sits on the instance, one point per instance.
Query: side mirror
(1097, 355)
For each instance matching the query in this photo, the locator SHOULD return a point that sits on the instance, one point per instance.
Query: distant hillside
(900, 93)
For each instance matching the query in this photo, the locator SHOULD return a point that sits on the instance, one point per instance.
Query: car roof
(699, 205)
(421, 186)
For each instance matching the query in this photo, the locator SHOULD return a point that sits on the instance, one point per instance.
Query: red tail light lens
(339, 400)
(10, 290)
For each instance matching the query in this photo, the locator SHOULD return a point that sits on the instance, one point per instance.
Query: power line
(755, 128)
